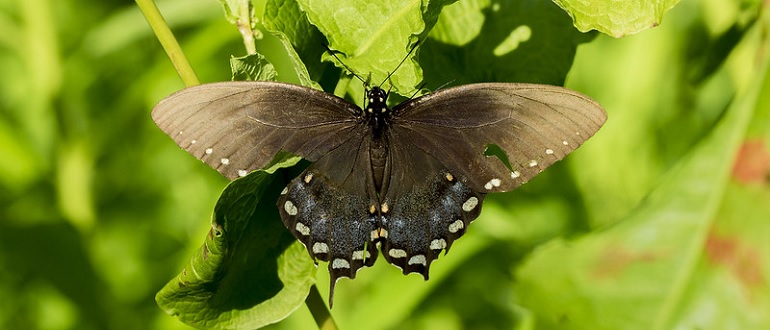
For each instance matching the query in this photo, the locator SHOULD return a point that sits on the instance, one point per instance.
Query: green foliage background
(660, 221)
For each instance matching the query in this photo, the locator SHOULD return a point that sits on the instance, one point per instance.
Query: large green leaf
(668, 263)
(477, 41)
(616, 18)
(302, 41)
(373, 38)
(250, 271)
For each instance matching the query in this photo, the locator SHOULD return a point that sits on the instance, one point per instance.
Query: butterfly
(406, 181)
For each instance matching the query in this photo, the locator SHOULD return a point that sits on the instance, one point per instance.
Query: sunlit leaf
(616, 18)
(250, 271)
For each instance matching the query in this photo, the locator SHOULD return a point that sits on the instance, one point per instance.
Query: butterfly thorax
(377, 114)
(377, 111)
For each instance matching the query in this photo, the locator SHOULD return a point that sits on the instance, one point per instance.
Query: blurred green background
(99, 209)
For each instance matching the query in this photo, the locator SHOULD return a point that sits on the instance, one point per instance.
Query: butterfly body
(406, 181)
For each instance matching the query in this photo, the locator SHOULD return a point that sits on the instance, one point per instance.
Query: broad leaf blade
(302, 41)
(250, 272)
(650, 270)
(477, 41)
(616, 18)
(372, 38)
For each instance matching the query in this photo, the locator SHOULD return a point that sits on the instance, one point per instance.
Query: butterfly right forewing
(237, 127)
(534, 125)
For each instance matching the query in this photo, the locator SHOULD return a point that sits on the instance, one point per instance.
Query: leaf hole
(493, 150)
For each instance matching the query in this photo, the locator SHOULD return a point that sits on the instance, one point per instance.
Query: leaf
(252, 67)
(477, 41)
(372, 38)
(250, 272)
(616, 18)
(303, 42)
(670, 262)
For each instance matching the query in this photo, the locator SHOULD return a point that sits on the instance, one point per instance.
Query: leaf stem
(167, 40)
(321, 314)
(244, 24)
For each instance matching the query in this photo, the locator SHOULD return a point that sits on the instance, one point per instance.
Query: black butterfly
(408, 179)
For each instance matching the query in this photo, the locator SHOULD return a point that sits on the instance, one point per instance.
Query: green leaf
(250, 271)
(476, 41)
(664, 265)
(373, 38)
(616, 18)
(303, 42)
(252, 67)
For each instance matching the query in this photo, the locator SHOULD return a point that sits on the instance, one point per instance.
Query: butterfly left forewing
(237, 127)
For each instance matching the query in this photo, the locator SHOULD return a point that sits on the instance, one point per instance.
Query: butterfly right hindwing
(425, 208)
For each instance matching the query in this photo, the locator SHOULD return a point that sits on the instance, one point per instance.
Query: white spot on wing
(515, 174)
(320, 247)
(470, 204)
(418, 260)
(438, 244)
(290, 208)
(285, 191)
(565, 142)
(308, 177)
(532, 163)
(209, 151)
(456, 226)
(242, 173)
(340, 263)
(302, 229)
(397, 253)
(549, 151)
(359, 255)
(492, 183)
(193, 141)
(224, 161)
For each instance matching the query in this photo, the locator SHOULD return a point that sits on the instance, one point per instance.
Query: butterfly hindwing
(237, 127)
(534, 125)
(328, 208)
(425, 208)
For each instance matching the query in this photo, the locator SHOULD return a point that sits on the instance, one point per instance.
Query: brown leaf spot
(741, 260)
(616, 259)
(752, 164)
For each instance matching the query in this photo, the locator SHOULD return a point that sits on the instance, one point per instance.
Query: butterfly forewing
(534, 125)
(237, 127)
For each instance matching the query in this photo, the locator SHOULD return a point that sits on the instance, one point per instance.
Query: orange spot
(752, 164)
(615, 260)
(741, 260)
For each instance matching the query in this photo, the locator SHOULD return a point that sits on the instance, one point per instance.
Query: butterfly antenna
(333, 53)
(445, 84)
(399, 64)
(417, 91)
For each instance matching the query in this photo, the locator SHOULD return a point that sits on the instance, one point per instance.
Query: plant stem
(169, 43)
(243, 23)
(321, 313)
